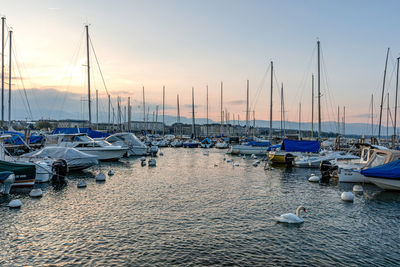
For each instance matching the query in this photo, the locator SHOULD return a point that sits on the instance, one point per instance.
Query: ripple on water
(188, 212)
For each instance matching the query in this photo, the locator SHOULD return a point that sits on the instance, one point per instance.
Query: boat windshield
(377, 160)
(82, 138)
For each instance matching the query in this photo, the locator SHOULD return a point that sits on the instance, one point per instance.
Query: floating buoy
(314, 179)
(81, 184)
(110, 172)
(36, 192)
(152, 162)
(161, 154)
(224, 158)
(205, 154)
(15, 204)
(244, 157)
(236, 164)
(257, 161)
(229, 160)
(215, 165)
(255, 164)
(143, 158)
(100, 177)
(347, 196)
(358, 189)
(143, 163)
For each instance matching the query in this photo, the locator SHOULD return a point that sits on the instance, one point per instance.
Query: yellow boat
(282, 157)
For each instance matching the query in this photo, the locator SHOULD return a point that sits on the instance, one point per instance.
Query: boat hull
(385, 183)
(351, 176)
(105, 154)
(25, 173)
(248, 150)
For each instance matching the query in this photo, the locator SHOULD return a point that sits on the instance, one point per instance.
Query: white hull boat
(129, 140)
(385, 183)
(248, 150)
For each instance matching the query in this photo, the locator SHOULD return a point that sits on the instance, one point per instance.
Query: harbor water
(197, 209)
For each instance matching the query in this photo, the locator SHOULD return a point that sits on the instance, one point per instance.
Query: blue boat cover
(388, 170)
(15, 138)
(35, 139)
(255, 143)
(206, 141)
(300, 146)
(91, 133)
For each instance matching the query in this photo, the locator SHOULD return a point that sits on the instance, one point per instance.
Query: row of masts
(3, 22)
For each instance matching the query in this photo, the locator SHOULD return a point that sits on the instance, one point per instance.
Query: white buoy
(81, 184)
(252, 156)
(314, 179)
(236, 164)
(229, 160)
(143, 158)
(161, 154)
(110, 173)
(255, 164)
(143, 163)
(347, 196)
(36, 192)
(100, 177)
(15, 204)
(358, 189)
(244, 157)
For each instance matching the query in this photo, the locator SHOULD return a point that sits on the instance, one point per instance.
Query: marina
(180, 133)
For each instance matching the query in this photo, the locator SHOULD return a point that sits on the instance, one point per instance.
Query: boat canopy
(206, 141)
(388, 170)
(259, 143)
(91, 133)
(300, 146)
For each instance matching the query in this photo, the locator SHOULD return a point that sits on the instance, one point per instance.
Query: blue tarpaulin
(256, 143)
(91, 133)
(388, 170)
(300, 146)
(206, 141)
(15, 138)
(35, 139)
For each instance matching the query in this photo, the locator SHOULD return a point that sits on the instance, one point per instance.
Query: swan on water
(313, 178)
(81, 184)
(36, 192)
(110, 172)
(16, 203)
(290, 217)
(100, 177)
(347, 196)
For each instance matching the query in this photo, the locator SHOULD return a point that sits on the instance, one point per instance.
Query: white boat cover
(75, 159)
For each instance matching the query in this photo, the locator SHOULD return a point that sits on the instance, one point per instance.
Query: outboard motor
(289, 158)
(60, 170)
(327, 169)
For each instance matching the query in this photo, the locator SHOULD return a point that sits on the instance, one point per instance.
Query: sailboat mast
(387, 116)
(270, 105)
(179, 114)
(312, 106)
(193, 119)
(247, 107)
(163, 110)
(395, 100)
(299, 121)
(2, 69)
(344, 122)
(222, 111)
(9, 81)
(129, 114)
(254, 122)
(282, 111)
(207, 111)
(319, 90)
(97, 108)
(338, 120)
(383, 92)
(144, 108)
(88, 73)
(109, 110)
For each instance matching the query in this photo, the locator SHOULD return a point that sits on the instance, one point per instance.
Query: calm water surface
(186, 211)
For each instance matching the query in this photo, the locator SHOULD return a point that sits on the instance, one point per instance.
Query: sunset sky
(181, 44)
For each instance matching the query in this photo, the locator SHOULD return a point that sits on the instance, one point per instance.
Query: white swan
(290, 217)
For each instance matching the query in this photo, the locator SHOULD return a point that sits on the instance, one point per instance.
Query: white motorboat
(314, 161)
(221, 145)
(176, 143)
(129, 140)
(76, 160)
(102, 149)
(248, 150)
